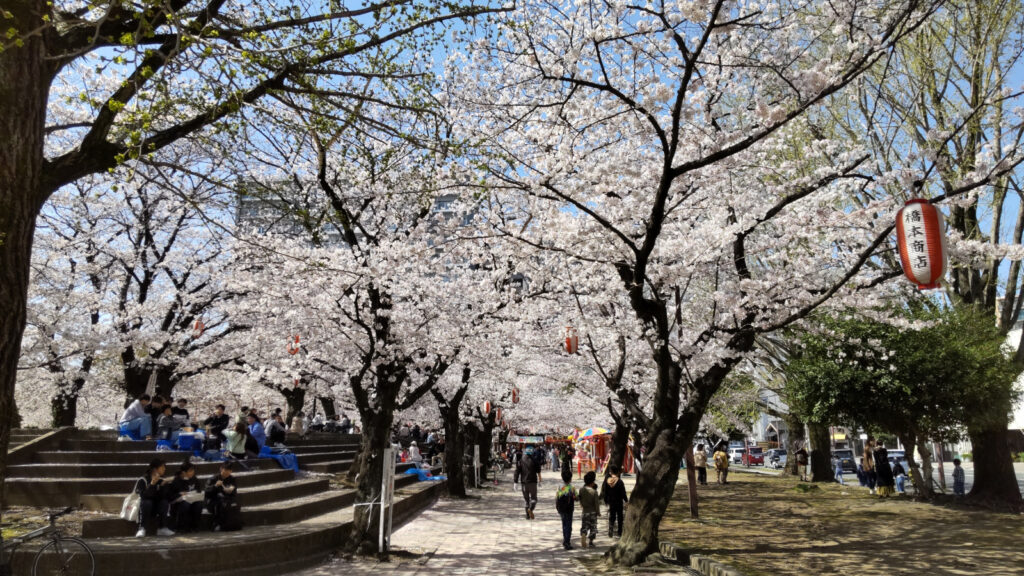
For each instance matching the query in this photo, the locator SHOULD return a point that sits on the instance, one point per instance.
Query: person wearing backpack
(221, 499)
(565, 504)
(591, 504)
(528, 474)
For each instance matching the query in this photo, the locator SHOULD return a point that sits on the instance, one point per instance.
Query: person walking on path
(700, 462)
(838, 464)
(801, 464)
(721, 464)
(613, 494)
(883, 472)
(565, 504)
(528, 474)
(958, 479)
(591, 504)
(869, 464)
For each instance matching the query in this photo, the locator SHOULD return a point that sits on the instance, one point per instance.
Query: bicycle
(60, 556)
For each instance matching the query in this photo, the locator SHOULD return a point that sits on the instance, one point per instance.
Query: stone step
(54, 492)
(330, 467)
(105, 457)
(318, 448)
(112, 445)
(258, 550)
(254, 496)
(119, 469)
(288, 511)
(314, 457)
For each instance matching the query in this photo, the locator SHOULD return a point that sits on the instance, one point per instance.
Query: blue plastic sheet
(285, 460)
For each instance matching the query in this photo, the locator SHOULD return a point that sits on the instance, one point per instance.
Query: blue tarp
(285, 460)
(424, 475)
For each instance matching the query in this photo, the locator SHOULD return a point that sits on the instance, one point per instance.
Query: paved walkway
(486, 534)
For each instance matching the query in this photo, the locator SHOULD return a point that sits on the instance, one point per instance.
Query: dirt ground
(767, 526)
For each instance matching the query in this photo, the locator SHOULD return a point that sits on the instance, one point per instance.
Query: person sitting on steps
(136, 418)
(239, 441)
(167, 426)
(152, 504)
(185, 508)
(220, 498)
(275, 430)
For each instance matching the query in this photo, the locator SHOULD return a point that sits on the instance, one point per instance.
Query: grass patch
(775, 526)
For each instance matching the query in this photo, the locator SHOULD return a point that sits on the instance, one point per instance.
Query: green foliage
(935, 380)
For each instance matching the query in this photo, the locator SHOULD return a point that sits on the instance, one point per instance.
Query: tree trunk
(995, 482)
(24, 91)
(794, 439)
(64, 405)
(451, 409)
(926, 466)
(328, 405)
(295, 398)
(691, 482)
(376, 434)
(820, 453)
(483, 440)
(909, 442)
(650, 498)
(620, 441)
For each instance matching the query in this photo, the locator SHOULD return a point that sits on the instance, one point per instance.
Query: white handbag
(130, 507)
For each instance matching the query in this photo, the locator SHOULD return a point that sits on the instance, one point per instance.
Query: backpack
(230, 515)
(539, 457)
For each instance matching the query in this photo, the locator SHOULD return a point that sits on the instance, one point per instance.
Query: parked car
(753, 456)
(736, 455)
(776, 458)
(845, 455)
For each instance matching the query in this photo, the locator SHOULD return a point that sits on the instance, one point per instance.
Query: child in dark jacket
(565, 503)
(613, 492)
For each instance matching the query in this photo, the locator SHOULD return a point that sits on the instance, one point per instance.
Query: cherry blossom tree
(151, 74)
(671, 150)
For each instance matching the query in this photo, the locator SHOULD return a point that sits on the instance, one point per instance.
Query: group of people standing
(875, 472)
(720, 459)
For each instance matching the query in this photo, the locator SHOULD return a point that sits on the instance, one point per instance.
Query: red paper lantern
(572, 340)
(921, 233)
(515, 395)
(296, 383)
(198, 328)
(293, 347)
(487, 407)
(497, 415)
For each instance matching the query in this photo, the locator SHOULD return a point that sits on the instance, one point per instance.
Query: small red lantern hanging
(497, 415)
(296, 383)
(197, 328)
(921, 234)
(572, 340)
(293, 347)
(515, 395)
(487, 407)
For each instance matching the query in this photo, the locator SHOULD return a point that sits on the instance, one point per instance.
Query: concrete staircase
(301, 518)
(20, 436)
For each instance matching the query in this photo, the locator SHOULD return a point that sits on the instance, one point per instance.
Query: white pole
(388, 462)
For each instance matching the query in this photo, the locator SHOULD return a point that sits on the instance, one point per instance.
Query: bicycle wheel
(64, 557)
